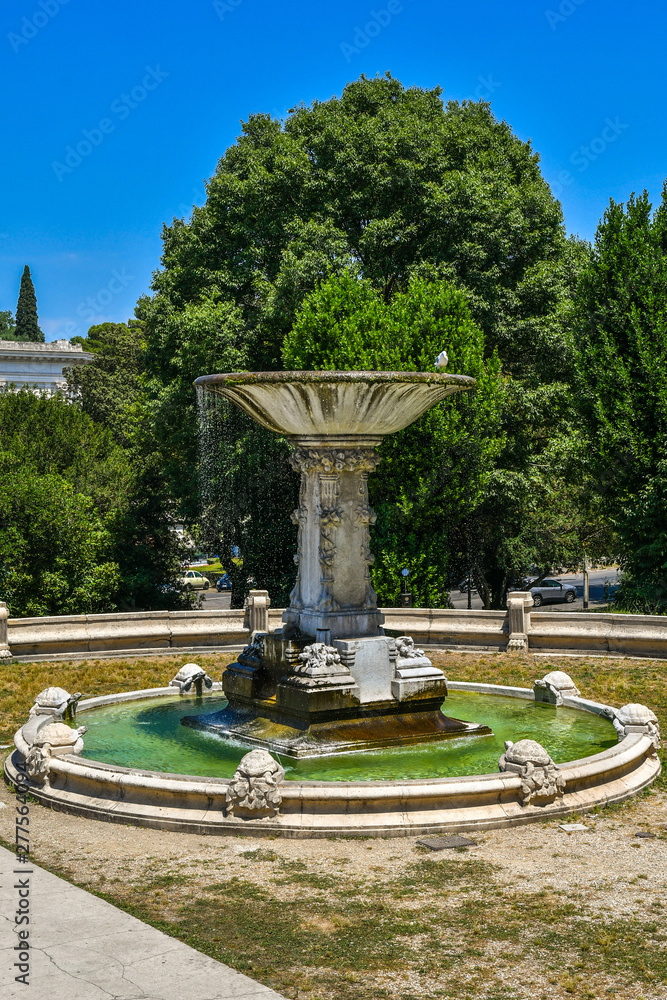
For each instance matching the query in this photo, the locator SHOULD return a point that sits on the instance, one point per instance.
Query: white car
(192, 580)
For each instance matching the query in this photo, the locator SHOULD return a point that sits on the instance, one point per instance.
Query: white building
(39, 366)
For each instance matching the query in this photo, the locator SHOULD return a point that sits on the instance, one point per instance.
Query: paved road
(83, 948)
(597, 579)
(211, 600)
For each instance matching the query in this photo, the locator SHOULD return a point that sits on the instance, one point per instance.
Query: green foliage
(371, 231)
(109, 388)
(27, 327)
(378, 187)
(345, 324)
(622, 386)
(54, 547)
(204, 336)
(52, 437)
(125, 515)
(385, 180)
(434, 472)
(7, 325)
(223, 489)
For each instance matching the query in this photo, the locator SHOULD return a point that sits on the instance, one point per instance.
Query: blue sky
(152, 94)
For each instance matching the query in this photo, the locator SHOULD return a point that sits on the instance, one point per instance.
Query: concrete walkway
(83, 948)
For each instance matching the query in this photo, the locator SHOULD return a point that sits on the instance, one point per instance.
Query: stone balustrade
(545, 631)
(142, 631)
(163, 631)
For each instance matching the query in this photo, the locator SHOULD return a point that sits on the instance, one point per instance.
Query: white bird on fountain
(441, 361)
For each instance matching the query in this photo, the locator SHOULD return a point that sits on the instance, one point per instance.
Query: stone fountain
(330, 680)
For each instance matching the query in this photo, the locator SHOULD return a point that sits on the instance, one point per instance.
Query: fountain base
(300, 739)
(300, 698)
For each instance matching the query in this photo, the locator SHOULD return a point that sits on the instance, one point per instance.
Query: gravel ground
(604, 870)
(607, 854)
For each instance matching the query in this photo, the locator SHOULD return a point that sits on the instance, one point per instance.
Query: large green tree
(27, 326)
(436, 471)
(53, 437)
(61, 477)
(110, 389)
(55, 548)
(387, 184)
(123, 510)
(622, 326)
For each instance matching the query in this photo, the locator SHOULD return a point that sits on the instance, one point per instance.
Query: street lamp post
(406, 597)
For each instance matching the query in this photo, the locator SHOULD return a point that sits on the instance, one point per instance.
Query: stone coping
(151, 632)
(41, 347)
(353, 808)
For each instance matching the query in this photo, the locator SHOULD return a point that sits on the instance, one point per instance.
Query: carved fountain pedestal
(331, 681)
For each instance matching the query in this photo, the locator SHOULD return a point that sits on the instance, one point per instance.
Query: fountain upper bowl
(314, 405)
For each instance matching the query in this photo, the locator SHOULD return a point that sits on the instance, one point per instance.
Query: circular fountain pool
(141, 766)
(148, 734)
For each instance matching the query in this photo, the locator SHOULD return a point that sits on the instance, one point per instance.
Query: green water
(149, 735)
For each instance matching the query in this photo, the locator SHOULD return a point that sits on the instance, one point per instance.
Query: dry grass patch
(446, 927)
(20, 682)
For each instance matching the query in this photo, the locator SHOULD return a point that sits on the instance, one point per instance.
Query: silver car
(552, 590)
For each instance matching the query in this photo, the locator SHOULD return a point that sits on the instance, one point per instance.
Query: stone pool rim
(380, 808)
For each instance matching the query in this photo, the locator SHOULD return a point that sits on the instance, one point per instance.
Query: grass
(20, 682)
(212, 566)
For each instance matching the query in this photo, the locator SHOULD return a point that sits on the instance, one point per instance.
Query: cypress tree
(27, 327)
